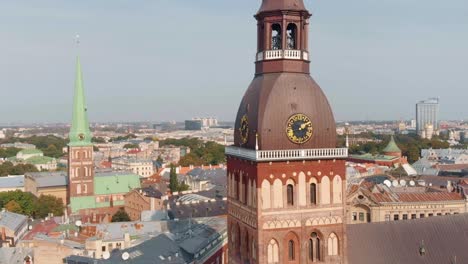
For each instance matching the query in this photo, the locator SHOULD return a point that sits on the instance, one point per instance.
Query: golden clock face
(299, 128)
(244, 129)
(81, 137)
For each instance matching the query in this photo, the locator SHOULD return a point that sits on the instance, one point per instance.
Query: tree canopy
(51, 145)
(48, 204)
(131, 146)
(201, 153)
(8, 152)
(120, 216)
(27, 204)
(410, 145)
(7, 168)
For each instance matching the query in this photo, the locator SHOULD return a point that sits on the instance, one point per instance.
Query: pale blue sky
(174, 59)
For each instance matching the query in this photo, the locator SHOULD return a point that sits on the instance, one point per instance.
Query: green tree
(182, 187)
(13, 206)
(120, 216)
(8, 152)
(7, 168)
(173, 182)
(131, 146)
(160, 159)
(26, 200)
(98, 140)
(201, 153)
(48, 204)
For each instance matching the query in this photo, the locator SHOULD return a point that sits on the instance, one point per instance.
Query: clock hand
(304, 125)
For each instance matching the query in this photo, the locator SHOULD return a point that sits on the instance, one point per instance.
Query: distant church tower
(286, 178)
(80, 148)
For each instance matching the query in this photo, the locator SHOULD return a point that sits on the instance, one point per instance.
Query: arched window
(276, 37)
(78, 189)
(266, 192)
(313, 193)
(277, 194)
(325, 190)
(332, 245)
(78, 172)
(290, 193)
(85, 188)
(290, 250)
(337, 190)
(314, 248)
(291, 33)
(273, 252)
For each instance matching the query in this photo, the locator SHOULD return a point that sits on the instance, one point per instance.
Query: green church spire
(80, 135)
(392, 146)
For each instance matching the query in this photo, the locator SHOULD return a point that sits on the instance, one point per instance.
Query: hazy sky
(175, 59)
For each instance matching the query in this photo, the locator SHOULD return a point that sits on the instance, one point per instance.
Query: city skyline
(130, 76)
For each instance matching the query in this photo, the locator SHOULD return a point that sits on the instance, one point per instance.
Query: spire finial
(77, 40)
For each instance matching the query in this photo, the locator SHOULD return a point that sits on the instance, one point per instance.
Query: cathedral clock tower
(286, 178)
(80, 148)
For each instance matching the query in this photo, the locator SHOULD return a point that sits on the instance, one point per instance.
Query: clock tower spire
(286, 178)
(80, 148)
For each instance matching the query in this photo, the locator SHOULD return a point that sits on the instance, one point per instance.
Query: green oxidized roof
(80, 135)
(106, 184)
(30, 151)
(82, 202)
(118, 183)
(391, 147)
(40, 160)
(371, 157)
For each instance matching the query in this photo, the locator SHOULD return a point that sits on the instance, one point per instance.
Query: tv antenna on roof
(106, 255)
(412, 183)
(395, 183)
(402, 182)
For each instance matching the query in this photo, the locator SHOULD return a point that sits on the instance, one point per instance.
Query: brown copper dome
(275, 5)
(272, 99)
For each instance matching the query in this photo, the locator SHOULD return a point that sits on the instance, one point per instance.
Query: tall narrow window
(291, 250)
(314, 248)
(311, 249)
(273, 252)
(332, 245)
(290, 193)
(78, 189)
(291, 33)
(276, 37)
(313, 193)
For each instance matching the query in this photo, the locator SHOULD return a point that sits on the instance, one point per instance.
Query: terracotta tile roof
(43, 228)
(429, 197)
(106, 164)
(451, 166)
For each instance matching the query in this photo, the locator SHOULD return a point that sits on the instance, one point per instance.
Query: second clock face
(299, 128)
(244, 129)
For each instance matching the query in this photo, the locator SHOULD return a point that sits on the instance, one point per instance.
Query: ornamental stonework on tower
(286, 178)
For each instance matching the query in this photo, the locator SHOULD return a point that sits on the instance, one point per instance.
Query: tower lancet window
(313, 193)
(290, 194)
(276, 40)
(290, 250)
(291, 34)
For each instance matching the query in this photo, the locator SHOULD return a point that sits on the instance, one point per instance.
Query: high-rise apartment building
(427, 113)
